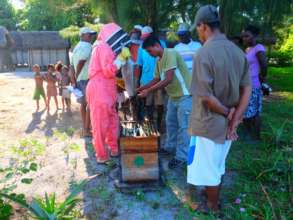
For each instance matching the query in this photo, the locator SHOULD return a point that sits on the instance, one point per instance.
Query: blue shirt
(148, 63)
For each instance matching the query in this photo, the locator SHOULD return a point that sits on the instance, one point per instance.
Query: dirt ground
(60, 170)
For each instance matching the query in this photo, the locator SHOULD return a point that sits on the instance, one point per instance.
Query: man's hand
(138, 90)
(231, 113)
(143, 93)
(233, 125)
(237, 116)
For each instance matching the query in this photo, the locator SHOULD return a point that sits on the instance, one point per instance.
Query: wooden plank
(139, 144)
(139, 167)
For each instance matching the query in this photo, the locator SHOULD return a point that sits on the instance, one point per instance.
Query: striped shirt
(187, 51)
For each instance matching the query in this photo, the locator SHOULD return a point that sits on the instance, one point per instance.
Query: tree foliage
(54, 14)
(273, 16)
(7, 15)
(235, 14)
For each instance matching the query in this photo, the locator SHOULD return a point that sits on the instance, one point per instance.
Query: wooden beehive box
(139, 159)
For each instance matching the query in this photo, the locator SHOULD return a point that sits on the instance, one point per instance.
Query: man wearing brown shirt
(221, 90)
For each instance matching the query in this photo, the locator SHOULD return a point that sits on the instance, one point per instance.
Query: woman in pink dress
(101, 90)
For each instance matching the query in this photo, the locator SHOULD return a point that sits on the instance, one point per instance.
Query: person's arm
(149, 85)
(72, 76)
(214, 105)
(261, 57)
(45, 76)
(79, 67)
(137, 74)
(245, 93)
(138, 66)
(49, 76)
(157, 84)
(202, 86)
(52, 78)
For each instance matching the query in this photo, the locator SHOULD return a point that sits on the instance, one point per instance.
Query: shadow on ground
(48, 122)
(18, 74)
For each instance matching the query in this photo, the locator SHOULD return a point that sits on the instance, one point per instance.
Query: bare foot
(86, 133)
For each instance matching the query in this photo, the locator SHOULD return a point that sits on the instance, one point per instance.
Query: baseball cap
(182, 29)
(138, 27)
(86, 30)
(146, 31)
(205, 14)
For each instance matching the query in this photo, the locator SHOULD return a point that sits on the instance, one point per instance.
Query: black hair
(150, 41)
(51, 66)
(58, 66)
(214, 25)
(252, 29)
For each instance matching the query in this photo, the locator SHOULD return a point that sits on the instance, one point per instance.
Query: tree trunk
(153, 17)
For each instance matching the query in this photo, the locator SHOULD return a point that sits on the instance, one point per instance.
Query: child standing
(51, 86)
(58, 69)
(39, 89)
(65, 81)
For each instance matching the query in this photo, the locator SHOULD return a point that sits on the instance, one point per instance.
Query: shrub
(72, 32)
(280, 58)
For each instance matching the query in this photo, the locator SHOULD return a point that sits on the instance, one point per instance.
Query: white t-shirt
(187, 51)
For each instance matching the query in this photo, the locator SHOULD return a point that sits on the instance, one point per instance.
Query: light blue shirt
(82, 51)
(148, 63)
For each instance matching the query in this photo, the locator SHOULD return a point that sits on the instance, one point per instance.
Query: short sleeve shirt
(82, 51)
(148, 63)
(220, 68)
(254, 66)
(187, 52)
(180, 84)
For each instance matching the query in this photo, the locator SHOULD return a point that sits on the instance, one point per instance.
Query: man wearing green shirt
(172, 74)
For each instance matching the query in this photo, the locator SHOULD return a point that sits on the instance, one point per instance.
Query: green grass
(264, 170)
(281, 78)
